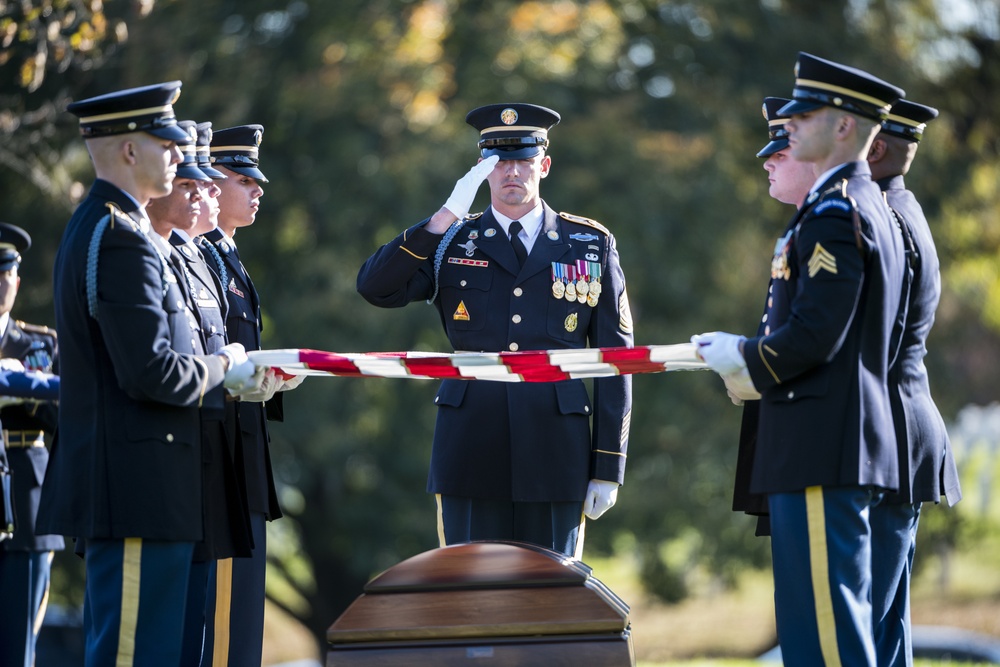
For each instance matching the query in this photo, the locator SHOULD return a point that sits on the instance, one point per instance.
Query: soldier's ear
(877, 150)
(128, 150)
(546, 165)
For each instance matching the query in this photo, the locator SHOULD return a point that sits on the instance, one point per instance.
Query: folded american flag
(33, 385)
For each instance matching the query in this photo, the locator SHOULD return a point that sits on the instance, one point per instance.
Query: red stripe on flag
(435, 367)
(533, 366)
(631, 360)
(334, 364)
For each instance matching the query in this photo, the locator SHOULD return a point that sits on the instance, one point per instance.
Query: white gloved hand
(265, 389)
(740, 387)
(721, 351)
(466, 188)
(11, 364)
(240, 374)
(15, 366)
(601, 496)
(290, 383)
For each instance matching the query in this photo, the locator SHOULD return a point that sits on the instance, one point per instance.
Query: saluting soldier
(826, 447)
(516, 461)
(927, 464)
(26, 559)
(125, 474)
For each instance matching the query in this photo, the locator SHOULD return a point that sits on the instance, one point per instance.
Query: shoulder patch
(828, 204)
(580, 220)
(116, 214)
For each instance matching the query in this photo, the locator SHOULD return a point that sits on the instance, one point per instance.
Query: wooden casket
(484, 603)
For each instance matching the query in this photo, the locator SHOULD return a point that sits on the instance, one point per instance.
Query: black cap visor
(244, 170)
(773, 147)
(193, 172)
(800, 106)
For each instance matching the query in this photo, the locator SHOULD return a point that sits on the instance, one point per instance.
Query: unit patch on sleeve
(832, 203)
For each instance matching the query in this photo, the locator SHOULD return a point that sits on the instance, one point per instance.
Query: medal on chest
(779, 262)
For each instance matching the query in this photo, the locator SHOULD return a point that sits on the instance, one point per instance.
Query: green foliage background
(363, 104)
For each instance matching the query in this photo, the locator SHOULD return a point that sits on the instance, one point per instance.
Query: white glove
(269, 383)
(465, 190)
(240, 374)
(11, 364)
(740, 387)
(601, 496)
(721, 351)
(290, 383)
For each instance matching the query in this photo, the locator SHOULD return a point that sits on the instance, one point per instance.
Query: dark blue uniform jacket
(527, 442)
(822, 365)
(244, 325)
(127, 460)
(927, 465)
(37, 348)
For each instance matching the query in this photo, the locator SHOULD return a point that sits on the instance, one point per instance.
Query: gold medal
(592, 299)
(571, 291)
(558, 289)
(582, 287)
(595, 288)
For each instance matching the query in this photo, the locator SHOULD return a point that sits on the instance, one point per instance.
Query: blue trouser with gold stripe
(557, 525)
(821, 552)
(24, 589)
(134, 602)
(234, 630)
(892, 565)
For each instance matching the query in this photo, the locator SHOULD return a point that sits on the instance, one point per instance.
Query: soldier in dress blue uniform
(789, 182)
(125, 474)
(25, 560)
(516, 461)
(927, 465)
(826, 446)
(235, 630)
(227, 522)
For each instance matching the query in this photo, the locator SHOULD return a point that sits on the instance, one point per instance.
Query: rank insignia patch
(461, 313)
(822, 260)
(624, 314)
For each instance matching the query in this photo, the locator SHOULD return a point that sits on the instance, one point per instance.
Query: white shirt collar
(531, 222)
(822, 177)
(4, 322)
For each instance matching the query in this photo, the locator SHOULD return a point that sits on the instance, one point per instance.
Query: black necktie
(519, 250)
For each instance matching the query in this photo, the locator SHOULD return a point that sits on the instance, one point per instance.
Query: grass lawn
(720, 628)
